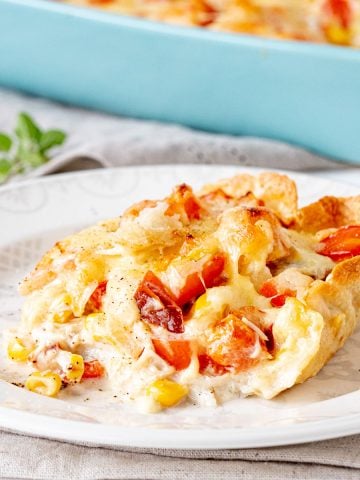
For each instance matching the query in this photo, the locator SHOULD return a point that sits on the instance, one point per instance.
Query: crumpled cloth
(24, 457)
(95, 140)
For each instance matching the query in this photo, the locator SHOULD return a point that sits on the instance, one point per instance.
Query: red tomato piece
(341, 10)
(192, 208)
(95, 302)
(207, 366)
(268, 289)
(100, 2)
(278, 299)
(342, 244)
(176, 353)
(233, 342)
(93, 369)
(184, 200)
(196, 283)
(157, 304)
(207, 15)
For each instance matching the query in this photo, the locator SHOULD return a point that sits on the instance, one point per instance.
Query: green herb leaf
(5, 142)
(5, 166)
(27, 129)
(33, 159)
(27, 147)
(50, 139)
(5, 169)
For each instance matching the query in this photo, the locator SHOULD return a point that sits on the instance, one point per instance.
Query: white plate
(35, 214)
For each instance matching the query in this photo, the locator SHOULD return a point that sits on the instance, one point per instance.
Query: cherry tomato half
(93, 369)
(342, 244)
(157, 304)
(197, 282)
(176, 353)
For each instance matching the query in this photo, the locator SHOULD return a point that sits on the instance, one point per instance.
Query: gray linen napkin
(101, 140)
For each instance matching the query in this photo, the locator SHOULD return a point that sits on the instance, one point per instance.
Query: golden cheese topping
(196, 297)
(323, 21)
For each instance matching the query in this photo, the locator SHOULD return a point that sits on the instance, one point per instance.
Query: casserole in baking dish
(299, 92)
(332, 21)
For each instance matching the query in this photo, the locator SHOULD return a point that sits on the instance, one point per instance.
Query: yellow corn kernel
(17, 350)
(62, 310)
(76, 368)
(166, 392)
(338, 35)
(62, 317)
(196, 254)
(45, 383)
(201, 303)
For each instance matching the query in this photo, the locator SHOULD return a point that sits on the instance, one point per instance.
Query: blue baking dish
(301, 93)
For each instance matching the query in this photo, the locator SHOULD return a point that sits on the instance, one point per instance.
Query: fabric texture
(33, 458)
(95, 140)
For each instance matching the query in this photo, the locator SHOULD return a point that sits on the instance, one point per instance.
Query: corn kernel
(61, 310)
(45, 383)
(201, 303)
(62, 317)
(195, 254)
(166, 392)
(338, 35)
(17, 350)
(76, 368)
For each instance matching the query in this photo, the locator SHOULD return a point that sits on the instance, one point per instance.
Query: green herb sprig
(27, 148)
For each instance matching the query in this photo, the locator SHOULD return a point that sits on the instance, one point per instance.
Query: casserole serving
(229, 292)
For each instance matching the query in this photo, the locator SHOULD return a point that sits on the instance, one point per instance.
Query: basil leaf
(34, 159)
(26, 128)
(5, 169)
(5, 142)
(50, 139)
(26, 148)
(5, 166)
